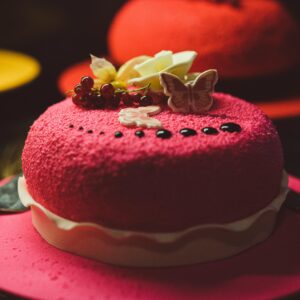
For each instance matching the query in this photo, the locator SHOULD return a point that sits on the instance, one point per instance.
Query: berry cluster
(86, 96)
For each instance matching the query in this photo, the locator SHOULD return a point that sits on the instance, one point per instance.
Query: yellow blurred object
(10, 159)
(16, 69)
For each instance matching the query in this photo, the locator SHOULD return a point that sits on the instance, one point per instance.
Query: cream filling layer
(203, 243)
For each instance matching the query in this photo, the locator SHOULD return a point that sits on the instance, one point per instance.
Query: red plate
(32, 268)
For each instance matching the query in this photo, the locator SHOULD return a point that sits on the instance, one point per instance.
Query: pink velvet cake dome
(152, 171)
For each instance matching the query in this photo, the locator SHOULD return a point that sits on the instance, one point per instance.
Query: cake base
(198, 244)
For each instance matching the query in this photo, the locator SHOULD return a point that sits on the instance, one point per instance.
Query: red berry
(78, 90)
(107, 90)
(114, 102)
(127, 99)
(87, 83)
(76, 99)
(157, 97)
(99, 101)
(86, 101)
(136, 97)
(146, 100)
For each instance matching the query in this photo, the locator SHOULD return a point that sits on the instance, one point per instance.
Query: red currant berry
(136, 97)
(99, 101)
(107, 90)
(87, 83)
(146, 100)
(157, 97)
(78, 90)
(76, 99)
(86, 101)
(114, 102)
(126, 99)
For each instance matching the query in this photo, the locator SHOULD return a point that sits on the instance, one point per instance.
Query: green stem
(146, 87)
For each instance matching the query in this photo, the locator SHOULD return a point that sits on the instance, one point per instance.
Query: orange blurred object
(254, 38)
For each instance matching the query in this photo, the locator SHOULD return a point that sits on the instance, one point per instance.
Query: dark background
(58, 34)
(61, 33)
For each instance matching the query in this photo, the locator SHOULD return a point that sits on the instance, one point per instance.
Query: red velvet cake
(240, 38)
(201, 158)
(76, 167)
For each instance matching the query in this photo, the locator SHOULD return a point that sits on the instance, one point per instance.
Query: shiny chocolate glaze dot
(163, 133)
(187, 132)
(209, 130)
(231, 127)
(118, 134)
(140, 133)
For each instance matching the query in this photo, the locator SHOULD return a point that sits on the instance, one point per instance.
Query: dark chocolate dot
(140, 133)
(188, 132)
(231, 127)
(209, 130)
(71, 126)
(163, 133)
(80, 128)
(90, 131)
(118, 134)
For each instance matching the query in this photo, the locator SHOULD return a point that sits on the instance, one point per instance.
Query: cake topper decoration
(165, 61)
(145, 81)
(140, 117)
(193, 96)
(104, 71)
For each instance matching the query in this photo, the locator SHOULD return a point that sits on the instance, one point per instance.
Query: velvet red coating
(255, 38)
(76, 167)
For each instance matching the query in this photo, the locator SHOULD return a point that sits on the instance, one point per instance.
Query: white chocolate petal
(124, 120)
(150, 110)
(150, 71)
(146, 68)
(184, 56)
(140, 117)
(152, 79)
(148, 123)
(163, 60)
(103, 69)
(125, 111)
(127, 70)
(155, 64)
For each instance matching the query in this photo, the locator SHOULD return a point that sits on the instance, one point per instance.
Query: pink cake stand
(32, 268)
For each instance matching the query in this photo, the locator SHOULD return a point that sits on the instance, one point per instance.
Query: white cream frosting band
(197, 244)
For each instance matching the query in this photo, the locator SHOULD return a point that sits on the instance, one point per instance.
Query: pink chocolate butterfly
(191, 97)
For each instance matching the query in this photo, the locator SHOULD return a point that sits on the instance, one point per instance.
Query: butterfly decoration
(140, 117)
(192, 96)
